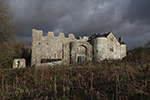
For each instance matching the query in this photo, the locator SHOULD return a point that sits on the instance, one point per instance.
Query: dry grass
(113, 80)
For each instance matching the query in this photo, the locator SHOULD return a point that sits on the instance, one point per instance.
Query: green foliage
(40, 93)
(16, 50)
(22, 50)
(8, 28)
(6, 56)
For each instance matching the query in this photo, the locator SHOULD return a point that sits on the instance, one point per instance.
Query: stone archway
(81, 56)
(81, 52)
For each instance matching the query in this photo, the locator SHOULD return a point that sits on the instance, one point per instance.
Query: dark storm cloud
(47, 15)
(138, 11)
(136, 22)
(127, 18)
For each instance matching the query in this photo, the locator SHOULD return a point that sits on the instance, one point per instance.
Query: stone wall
(19, 63)
(51, 47)
(113, 47)
(81, 51)
(100, 49)
(51, 50)
(107, 47)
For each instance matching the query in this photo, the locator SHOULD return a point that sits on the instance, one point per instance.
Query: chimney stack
(120, 39)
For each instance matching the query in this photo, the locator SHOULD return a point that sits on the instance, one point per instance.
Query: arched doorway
(81, 54)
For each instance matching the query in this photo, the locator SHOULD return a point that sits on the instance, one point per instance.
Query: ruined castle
(51, 50)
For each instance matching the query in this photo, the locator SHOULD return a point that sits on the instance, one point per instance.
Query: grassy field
(127, 79)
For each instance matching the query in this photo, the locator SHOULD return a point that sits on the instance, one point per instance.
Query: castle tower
(100, 48)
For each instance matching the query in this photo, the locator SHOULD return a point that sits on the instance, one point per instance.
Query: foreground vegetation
(108, 80)
(13, 50)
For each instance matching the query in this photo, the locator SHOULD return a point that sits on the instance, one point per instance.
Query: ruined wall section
(48, 47)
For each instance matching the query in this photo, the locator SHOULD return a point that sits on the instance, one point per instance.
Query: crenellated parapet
(49, 46)
(50, 34)
(85, 38)
(39, 34)
(71, 36)
(61, 35)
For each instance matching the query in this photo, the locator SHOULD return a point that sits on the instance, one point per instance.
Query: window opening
(111, 49)
(49, 60)
(81, 59)
(111, 39)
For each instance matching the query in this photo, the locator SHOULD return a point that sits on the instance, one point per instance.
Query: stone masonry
(19, 63)
(51, 50)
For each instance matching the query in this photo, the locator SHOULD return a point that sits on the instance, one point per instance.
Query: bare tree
(7, 35)
(7, 23)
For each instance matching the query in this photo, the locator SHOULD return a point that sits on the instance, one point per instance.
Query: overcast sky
(129, 19)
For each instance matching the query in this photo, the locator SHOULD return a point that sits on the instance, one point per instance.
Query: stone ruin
(52, 50)
(19, 63)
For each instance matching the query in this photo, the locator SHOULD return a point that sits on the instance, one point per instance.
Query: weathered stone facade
(51, 50)
(19, 63)
(106, 46)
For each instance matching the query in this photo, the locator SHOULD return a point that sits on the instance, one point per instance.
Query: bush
(12, 50)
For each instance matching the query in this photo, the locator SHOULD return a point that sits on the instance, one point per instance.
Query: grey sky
(127, 18)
